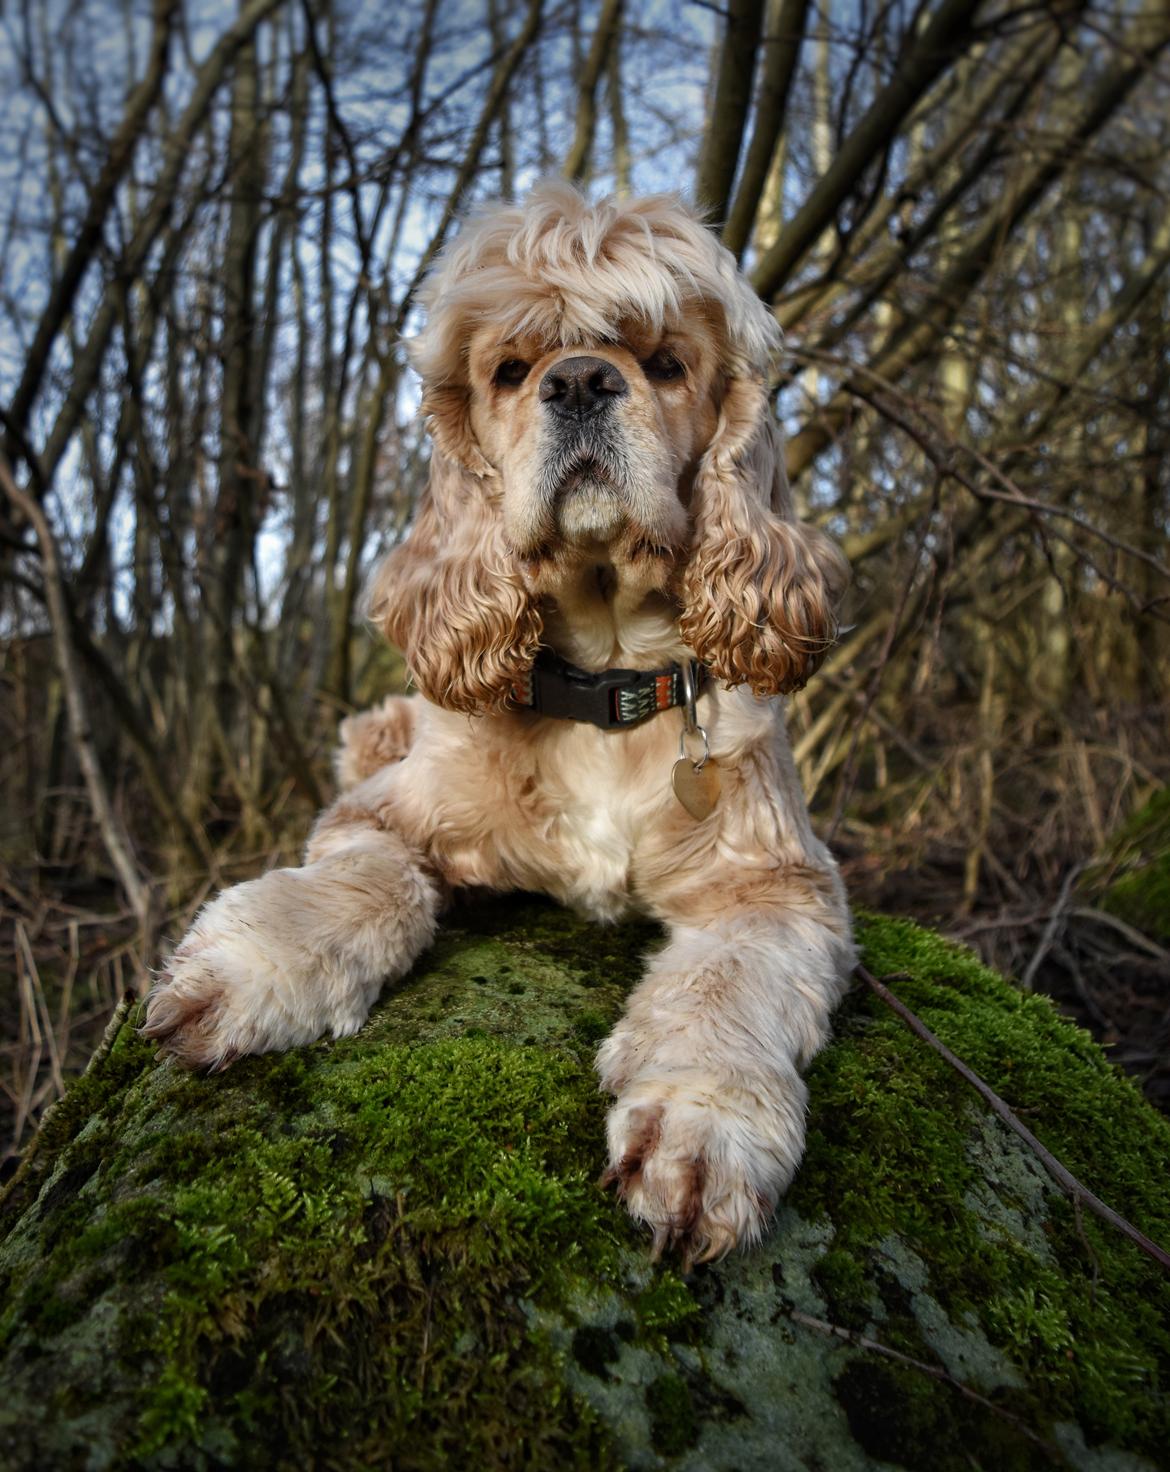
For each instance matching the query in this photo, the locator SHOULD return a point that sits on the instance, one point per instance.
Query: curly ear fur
(760, 590)
(451, 598)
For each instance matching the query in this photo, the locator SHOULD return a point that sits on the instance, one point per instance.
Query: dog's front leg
(708, 1126)
(298, 953)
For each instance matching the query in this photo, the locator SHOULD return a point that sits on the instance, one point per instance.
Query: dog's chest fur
(516, 801)
(586, 815)
(603, 804)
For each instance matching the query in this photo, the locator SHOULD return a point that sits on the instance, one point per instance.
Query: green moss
(891, 1149)
(673, 1424)
(842, 1281)
(464, 1153)
(1134, 882)
(378, 1193)
(665, 1304)
(394, 1246)
(895, 1416)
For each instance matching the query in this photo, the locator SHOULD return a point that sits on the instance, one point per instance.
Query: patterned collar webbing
(610, 699)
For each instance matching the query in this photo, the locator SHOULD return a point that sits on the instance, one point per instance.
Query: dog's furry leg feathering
(298, 953)
(708, 1129)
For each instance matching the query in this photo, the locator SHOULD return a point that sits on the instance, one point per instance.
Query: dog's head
(594, 378)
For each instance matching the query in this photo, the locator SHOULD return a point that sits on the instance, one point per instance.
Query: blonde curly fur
(452, 600)
(606, 480)
(760, 591)
(566, 270)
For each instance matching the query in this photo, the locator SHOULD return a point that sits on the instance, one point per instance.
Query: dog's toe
(644, 1134)
(703, 1167)
(184, 1015)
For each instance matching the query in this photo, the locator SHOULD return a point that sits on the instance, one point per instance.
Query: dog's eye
(511, 373)
(663, 366)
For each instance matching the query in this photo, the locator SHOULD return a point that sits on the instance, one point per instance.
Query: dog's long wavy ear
(451, 597)
(760, 590)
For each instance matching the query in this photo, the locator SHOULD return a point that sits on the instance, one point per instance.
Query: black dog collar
(608, 698)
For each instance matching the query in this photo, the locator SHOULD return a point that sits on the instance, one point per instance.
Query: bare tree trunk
(782, 42)
(604, 39)
(617, 120)
(1148, 513)
(87, 240)
(719, 155)
(239, 496)
(507, 155)
(924, 60)
(338, 677)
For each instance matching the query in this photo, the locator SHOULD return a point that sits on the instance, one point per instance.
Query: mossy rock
(392, 1250)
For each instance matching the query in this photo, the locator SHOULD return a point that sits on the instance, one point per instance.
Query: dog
(602, 597)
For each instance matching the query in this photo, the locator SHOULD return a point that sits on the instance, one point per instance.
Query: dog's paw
(373, 739)
(241, 982)
(704, 1162)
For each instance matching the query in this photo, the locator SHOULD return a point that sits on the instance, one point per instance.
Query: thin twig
(1054, 922)
(40, 1005)
(1135, 937)
(936, 1372)
(65, 1011)
(873, 684)
(1059, 1173)
(30, 1039)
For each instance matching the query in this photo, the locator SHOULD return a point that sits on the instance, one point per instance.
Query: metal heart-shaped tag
(697, 788)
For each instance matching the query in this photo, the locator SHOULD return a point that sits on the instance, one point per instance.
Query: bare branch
(925, 59)
(719, 156)
(781, 53)
(89, 234)
(604, 38)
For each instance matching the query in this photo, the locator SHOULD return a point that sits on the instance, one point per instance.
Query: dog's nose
(577, 387)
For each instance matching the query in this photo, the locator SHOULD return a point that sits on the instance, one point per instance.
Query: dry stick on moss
(1064, 1178)
(936, 1372)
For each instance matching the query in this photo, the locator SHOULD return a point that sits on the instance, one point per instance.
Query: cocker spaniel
(601, 599)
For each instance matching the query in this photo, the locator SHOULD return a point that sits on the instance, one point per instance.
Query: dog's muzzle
(579, 388)
(584, 473)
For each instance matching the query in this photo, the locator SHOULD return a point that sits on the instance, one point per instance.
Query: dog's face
(596, 375)
(597, 442)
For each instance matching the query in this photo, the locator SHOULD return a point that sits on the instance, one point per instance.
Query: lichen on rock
(392, 1249)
